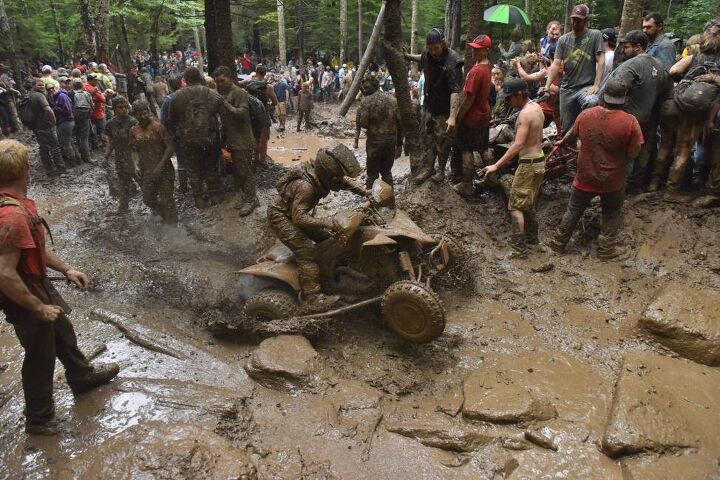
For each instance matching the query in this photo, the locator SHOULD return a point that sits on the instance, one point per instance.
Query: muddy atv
(375, 262)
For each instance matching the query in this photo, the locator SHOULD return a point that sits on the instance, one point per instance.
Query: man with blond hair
(31, 304)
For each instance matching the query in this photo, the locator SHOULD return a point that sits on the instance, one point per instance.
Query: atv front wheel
(271, 305)
(413, 311)
(455, 248)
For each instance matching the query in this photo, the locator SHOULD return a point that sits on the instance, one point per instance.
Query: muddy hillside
(549, 367)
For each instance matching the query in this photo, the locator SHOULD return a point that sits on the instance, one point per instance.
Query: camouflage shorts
(526, 186)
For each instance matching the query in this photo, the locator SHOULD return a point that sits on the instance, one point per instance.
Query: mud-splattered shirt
(378, 113)
(606, 136)
(149, 143)
(118, 131)
(236, 125)
(16, 233)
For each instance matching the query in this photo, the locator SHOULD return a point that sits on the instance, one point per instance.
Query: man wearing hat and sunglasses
(610, 139)
(580, 54)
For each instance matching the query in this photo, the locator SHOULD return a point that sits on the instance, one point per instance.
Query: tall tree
(218, 28)
(124, 55)
(58, 32)
(632, 15)
(102, 30)
(343, 30)
(365, 62)
(474, 29)
(453, 21)
(9, 44)
(301, 30)
(281, 32)
(87, 24)
(395, 61)
(155, 31)
(414, 33)
(568, 11)
(360, 30)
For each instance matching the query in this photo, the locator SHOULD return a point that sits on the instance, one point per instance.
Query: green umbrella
(507, 14)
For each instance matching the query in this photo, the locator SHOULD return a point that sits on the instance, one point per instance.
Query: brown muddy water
(542, 371)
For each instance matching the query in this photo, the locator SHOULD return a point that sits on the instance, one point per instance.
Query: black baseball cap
(636, 37)
(609, 35)
(513, 86)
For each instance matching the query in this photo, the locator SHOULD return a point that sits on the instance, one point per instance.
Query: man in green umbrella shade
(580, 54)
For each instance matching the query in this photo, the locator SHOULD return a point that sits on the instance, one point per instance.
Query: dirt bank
(538, 375)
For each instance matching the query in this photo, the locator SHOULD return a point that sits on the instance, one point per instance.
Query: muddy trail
(550, 367)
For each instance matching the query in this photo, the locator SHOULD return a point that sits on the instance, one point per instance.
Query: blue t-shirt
(281, 91)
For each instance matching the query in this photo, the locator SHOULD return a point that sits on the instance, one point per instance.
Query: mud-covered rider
(290, 213)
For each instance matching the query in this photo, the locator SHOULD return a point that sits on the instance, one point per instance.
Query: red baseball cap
(580, 11)
(481, 41)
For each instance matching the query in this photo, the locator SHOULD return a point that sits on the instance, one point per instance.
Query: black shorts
(469, 139)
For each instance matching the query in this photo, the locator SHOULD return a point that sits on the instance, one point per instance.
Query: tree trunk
(198, 47)
(218, 26)
(102, 32)
(414, 34)
(281, 32)
(56, 26)
(528, 10)
(360, 30)
(632, 15)
(88, 28)
(124, 55)
(7, 36)
(568, 11)
(155, 31)
(301, 30)
(343, 30)
(453, 21)
(395, 61)
(475, 19)
(366, 59)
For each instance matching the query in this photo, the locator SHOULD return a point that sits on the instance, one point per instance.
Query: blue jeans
(572, 102)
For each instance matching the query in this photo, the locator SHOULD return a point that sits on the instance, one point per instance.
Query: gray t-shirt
(647, 83)
(38, 102)
(578, 57)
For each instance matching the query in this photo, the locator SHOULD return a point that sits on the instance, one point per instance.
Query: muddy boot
(182, 181)
(676, 196)
(706, 201)
(248, 207)
(654, 185)
(421, 177)
(216, 198)
(100, 375)
(518, 246)
(48, 428)
(439, 176)
(531, 231)
(607, 248)
(464, 189)
(57, 160)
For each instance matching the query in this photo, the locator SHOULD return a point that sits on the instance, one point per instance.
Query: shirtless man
(530, 172)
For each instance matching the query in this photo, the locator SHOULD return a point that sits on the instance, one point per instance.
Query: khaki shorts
(526, 186)
(282, 108)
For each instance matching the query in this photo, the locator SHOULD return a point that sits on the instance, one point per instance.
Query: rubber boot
(439, 176)
(182, 181)
(248, 207)
(100, 375)
(48, 428)
(518, 246)
(607, 248)
(654, 184)
(57, 160)
(531, 230)
(557, 244)
(465, 187)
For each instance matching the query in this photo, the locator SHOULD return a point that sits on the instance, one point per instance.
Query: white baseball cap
(46, 68)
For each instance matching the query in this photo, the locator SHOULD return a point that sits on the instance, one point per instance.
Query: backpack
(26, 113)
(258, 115)
(258, 89)
(698, 97)
(82, 104)
(197, 128)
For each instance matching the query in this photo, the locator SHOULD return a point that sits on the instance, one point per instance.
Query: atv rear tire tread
(422, 298)
(457, 252)
(271, 305)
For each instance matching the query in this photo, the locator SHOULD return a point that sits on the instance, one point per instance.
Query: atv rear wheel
(457, 252)
(271, 305)
(413, 311)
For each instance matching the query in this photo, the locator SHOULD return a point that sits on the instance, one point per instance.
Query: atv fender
(284, 272)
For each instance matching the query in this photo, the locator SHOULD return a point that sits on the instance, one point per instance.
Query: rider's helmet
(369, 85)
(333, 163)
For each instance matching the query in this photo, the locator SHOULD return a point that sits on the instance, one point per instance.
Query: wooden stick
(119, 322)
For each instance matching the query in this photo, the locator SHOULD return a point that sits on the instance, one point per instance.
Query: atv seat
(278, 253)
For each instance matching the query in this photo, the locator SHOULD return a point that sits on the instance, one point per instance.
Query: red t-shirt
(16, 233)
(98, 99)
(478, 83)
(605, 138)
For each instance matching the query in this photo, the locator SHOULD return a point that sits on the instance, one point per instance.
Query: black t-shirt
(38, 102)
(443, 77)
